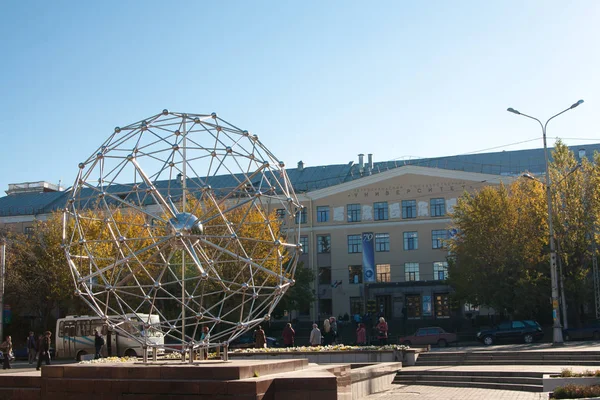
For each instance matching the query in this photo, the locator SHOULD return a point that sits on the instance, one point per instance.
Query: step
(486, 379)
(492, 374)
(481, 385)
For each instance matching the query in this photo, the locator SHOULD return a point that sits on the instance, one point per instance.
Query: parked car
(512, 331)
(588, 331)
(247, 341)
(433, 335)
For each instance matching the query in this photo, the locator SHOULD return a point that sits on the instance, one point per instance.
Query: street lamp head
(512, 110)
(576, 104)
(529, 176)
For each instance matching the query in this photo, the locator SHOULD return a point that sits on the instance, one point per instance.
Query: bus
(75, 335)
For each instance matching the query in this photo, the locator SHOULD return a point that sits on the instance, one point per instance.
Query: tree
(301, 295)
(500, 256)
(496, 255)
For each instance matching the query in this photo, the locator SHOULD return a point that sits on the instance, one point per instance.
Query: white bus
(75, 335)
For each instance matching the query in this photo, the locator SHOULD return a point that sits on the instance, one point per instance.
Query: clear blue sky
(318, 81)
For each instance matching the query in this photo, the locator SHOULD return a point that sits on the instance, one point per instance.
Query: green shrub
(568, 373)
(576, 391)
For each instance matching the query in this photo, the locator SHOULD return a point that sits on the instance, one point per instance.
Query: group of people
(36, 349)
(330, 333)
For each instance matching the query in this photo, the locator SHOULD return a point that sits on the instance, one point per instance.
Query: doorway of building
(384, 306)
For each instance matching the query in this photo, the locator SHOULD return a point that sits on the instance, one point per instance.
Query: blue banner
(368, 251)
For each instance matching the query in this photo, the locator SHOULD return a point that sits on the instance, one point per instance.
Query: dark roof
(506, 163)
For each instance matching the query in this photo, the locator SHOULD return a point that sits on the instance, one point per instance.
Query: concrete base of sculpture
(239, 379)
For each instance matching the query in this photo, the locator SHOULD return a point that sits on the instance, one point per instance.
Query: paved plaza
(417, 392)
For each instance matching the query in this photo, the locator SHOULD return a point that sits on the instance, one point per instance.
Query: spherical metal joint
(197, 120)
(81, 165)
(77, 292)
(204, 276)
(277, 243)
(255, 295)
(213, 115)
(255, 138)
(199, 316)
(245, 133)
(157, 285)
(217, 320)
(281, 164)
(130, 157)
(144, 126)
(177, 132)
(228, 149)
(81, 242)
(292, 282)
(122, 239)
(218, 128)
(266, 164)
(71, 200)
(175, 147)
(147, 298)
(165, 112)
(244, 286)
(117, 129)
(99, 155)
(171, 164)
(267, 317)
(213, 153)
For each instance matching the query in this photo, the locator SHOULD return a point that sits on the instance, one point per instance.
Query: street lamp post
(556, 328)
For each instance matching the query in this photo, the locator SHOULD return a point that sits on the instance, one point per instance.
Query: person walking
(6, 348)
(31, 347)
(334, 330)
(288, 335)
(98, 343)
(315, 336)
(44, 348)
(382, 331)
(205, 338)
(260, 340)
(326, 333)
(361, 335)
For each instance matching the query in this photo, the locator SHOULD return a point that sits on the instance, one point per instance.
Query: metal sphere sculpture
(179, 224)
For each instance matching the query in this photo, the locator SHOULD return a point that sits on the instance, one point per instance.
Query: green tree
(301, 295)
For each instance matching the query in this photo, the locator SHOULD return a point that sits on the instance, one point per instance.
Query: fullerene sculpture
(180, 222)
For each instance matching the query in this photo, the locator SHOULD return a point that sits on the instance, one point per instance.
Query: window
(301, 216)
(413, 306)
(325, 275)
(322, 213)
(438, 207)
(280, 212)
(304, 243)
(438, 237)
(383, 272)
(323, 244)
(353, 212)
(442, 305)
(518, 325)
(382, 242)
(409, 209)
(440, 271)
(28, 230)
(354, 244)
(356, 305)
(411, 272)
(355, 273)
(411, 241)
(380, 211)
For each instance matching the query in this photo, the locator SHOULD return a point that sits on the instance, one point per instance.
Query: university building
(373, 233)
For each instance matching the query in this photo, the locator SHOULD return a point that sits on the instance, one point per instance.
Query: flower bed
(576, 392)
(110, 360)
(320, 349)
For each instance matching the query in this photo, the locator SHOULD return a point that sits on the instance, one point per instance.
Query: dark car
(512, 331)
(589, 331)
(247, 341)
(21, 353)
(433, 335)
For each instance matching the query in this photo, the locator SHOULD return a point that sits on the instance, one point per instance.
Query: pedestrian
(6, 348)
(334, 330)
(315, 336)
(382, 331)
(260, 340)
(326, 333)
(44, 349)
(361, 335)
(31, 347)
(288, 335)
(98, 343)
(205, 338)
